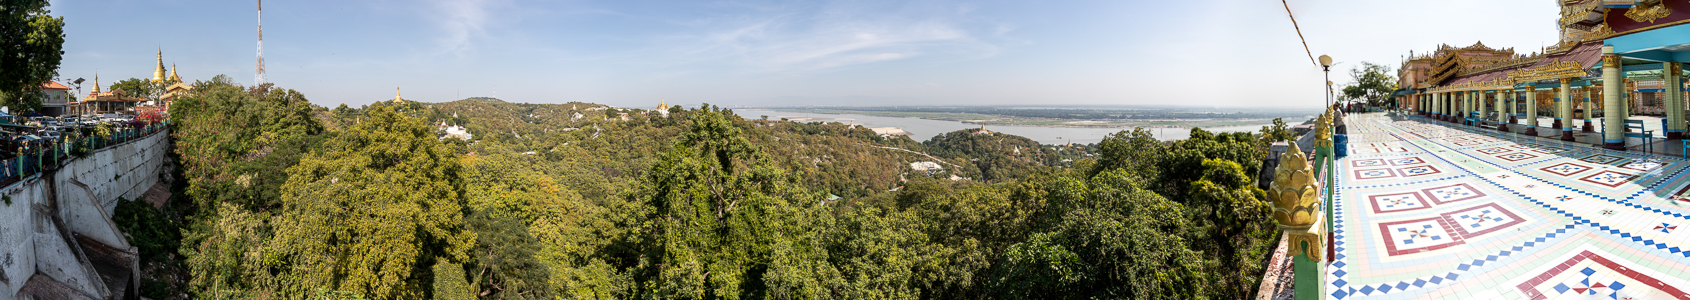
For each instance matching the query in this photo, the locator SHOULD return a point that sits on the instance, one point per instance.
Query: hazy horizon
(758, 53)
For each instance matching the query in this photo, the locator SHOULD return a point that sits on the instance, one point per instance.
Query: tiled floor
(1428, 210)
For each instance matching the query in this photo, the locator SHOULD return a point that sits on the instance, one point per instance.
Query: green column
(1483, 108)
(1674, 96)
(1565, 98)
(1458, 106)
(1500, 101)
(1308, 274)
(1613, 101)
(1531, 110)
(1467, 107)
(1472, 103)
(1438, 103)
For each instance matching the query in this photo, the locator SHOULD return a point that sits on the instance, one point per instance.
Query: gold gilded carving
(1293, 191)
(1611, 61)
(1323, 130)
(1296, 241)
(1553, 70)
(1648, 14)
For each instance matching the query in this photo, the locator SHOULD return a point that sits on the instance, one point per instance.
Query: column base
(1531, 131)
(1556, 124)
(1513, 120)
(1588, 127)
(1567, 135)
(1503, 127)
(1675, 135)
(1613, 146)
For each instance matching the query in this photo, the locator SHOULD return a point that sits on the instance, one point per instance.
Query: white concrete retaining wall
(30, 243)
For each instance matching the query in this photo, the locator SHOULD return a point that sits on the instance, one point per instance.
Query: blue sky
(910, 52)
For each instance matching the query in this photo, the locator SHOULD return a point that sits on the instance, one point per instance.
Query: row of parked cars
(58, 123)
(50, 129)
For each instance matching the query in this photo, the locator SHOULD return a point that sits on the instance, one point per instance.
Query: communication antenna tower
(260, 76)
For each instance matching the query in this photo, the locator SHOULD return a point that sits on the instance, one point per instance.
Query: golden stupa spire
(173, 77)
(158, 73)
(96, 84)
(396, 98)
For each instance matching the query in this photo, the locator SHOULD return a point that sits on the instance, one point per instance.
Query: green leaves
(1373, 83)
(31, 47)
(382, 199)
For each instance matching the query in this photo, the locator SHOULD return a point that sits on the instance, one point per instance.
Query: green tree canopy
(138, 87)
(372, 212)
(31, 46)
(1373, 83)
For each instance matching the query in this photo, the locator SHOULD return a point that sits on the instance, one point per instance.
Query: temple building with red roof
(1614, 59)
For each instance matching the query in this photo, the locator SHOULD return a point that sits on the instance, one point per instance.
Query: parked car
(51, 135)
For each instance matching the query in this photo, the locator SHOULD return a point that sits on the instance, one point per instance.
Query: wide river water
(924, 129)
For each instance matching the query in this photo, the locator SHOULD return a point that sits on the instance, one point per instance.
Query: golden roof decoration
(1494, 84)
(1644, 12)
(1293, 191)
(1552, 70)
(1479, 45)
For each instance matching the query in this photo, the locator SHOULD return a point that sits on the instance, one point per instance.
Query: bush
(155, 234)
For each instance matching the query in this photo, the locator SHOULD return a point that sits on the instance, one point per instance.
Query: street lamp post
(1326, 67)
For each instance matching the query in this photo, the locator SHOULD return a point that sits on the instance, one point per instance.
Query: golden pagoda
(396, 98)
(158, 73)
(176, 89)
(173, 77)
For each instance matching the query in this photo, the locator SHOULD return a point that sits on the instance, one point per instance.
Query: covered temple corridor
(1433, 210)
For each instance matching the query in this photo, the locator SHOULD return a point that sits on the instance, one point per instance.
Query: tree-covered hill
(994, 156)
(289, 200)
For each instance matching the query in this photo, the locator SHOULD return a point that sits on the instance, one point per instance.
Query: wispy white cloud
(842, 34)
(461, 21)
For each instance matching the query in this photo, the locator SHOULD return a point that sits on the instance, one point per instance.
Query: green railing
(32, 160)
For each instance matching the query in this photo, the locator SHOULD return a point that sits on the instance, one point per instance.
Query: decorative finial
(1295, 198)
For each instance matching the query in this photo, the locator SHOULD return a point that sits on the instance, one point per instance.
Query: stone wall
(40, 229)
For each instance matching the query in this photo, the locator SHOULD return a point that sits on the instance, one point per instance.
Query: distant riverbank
(924, 129)
(986, 119)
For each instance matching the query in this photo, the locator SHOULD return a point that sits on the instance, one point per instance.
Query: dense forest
(277, 198)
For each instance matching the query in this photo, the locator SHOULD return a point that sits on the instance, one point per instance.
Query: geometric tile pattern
(1365, 174)
(1608, 178)
(1591, 276)
(1566, 169)
(1452, 193)
(1481, 219)
(1419, 171)
(1415, 236)
(1496, 215)
(1398, 202)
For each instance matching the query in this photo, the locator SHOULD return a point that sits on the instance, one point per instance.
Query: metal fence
(31, 160)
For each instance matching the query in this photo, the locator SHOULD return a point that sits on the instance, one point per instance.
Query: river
(924, 129)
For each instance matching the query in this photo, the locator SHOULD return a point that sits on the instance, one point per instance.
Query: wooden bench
(1634, 129)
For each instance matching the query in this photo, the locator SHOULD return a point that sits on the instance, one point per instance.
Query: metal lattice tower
(260, 76)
